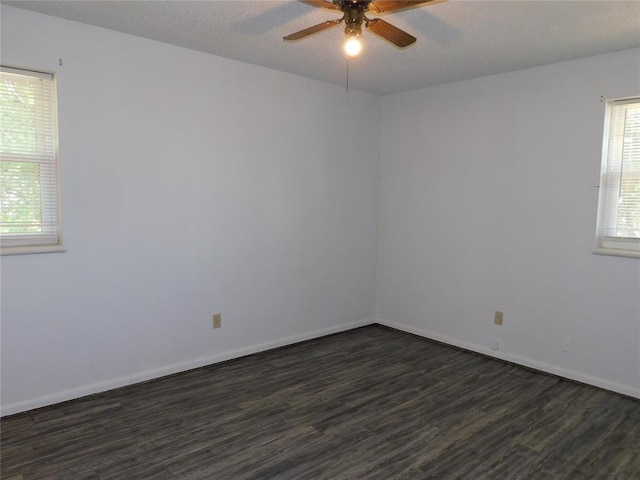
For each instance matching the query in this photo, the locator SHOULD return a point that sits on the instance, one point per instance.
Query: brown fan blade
(393, 34)
(322, 4)
(311, 30)
(382, 6)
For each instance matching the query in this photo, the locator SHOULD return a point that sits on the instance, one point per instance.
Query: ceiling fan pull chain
(347, 74)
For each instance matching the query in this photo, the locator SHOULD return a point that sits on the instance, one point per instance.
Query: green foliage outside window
(20, 188)
(20, 192)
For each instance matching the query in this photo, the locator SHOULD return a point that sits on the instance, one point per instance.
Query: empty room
(332, 240)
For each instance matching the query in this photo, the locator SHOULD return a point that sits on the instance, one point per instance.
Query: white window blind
(29, 215)
(619, 207)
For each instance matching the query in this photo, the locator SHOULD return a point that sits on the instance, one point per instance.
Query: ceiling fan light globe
(352, 46)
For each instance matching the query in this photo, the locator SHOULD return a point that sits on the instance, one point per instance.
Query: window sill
(617, 252)
(30, 250)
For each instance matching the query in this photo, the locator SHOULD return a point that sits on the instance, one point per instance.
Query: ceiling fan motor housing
(353, 18)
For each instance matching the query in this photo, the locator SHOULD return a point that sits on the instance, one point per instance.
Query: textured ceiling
(457, 40)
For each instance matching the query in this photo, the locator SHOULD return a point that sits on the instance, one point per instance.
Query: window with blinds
(29, 204)
(619, 207)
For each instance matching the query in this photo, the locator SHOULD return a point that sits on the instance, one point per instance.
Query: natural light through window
(29, 205)
(619, 206)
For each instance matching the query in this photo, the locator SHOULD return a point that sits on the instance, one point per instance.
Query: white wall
(191, 184)
(487, 202)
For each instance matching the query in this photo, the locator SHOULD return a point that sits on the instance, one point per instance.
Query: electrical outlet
(217, 320)
(566, 344)
(497, 319)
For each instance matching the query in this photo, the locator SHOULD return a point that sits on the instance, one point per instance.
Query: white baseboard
(99, 387)
(526, 362)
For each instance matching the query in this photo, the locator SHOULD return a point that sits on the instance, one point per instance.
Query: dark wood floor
(371, 403)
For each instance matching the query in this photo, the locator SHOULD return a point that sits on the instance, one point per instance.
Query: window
(29, 200)
(619, 206)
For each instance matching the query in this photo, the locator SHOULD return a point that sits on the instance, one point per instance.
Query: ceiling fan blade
(311, 30)
(393, 34)
(321, 4)
(385, 6)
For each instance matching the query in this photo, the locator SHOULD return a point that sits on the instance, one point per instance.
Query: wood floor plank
(371, 403)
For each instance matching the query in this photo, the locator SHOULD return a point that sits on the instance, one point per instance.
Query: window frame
(24, 243)
(609, 245)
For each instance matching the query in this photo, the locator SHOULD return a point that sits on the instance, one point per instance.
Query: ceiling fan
(354, 16)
